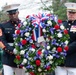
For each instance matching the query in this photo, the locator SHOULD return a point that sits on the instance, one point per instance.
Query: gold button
(8, 32)
(15, 24)
(69, 24)
(67, 28)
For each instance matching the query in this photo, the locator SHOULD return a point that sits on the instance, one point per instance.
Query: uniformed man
(69, 67)
(6, 41)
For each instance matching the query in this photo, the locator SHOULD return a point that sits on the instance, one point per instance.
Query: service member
(69, 67)
(6, 40)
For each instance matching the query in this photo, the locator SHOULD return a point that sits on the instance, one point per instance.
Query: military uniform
(69, 66)
(70, 61)
(6, 41)
(8, 29)
(71, 53)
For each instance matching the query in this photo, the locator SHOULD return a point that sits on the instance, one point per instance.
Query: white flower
(43, 50)
(22, 52)
(16, 44)
(66, 42)
(30, 58)
(15, 31)
(39, 69)
(51, 62)
(14, 38)
(50, 57)
(27, 34)
(24, 61)
(54, 49)
(24, 23)
(48, 47)
(44, 30)
(59, 35)
(62, 27)
(49, 22)
(42, 64)
(21, 39)
(15, 51)
(33, 50)
(47, 40)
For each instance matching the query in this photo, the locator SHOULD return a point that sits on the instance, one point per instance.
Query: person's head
(12, 11)
(71, 11)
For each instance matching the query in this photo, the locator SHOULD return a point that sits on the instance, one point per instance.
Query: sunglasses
(72, 12)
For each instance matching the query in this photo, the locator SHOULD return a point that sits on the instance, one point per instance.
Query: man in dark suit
(69, 67)
(6, 41)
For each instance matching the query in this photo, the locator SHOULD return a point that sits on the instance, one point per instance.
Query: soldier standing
(6, 41)
(69, 67)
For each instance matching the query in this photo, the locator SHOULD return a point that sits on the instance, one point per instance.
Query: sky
(26, 6)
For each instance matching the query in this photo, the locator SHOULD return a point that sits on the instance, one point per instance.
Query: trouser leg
(60, 71)
(8, 70)
(71, 71)
(20, 72)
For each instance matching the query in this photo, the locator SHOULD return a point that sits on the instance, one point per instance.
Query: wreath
(40, 53)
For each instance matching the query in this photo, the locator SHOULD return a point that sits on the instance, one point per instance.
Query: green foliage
(3, 17)
(72, 1)
(59, 9)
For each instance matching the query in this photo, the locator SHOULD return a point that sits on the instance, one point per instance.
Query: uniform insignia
(8, 28)
(73, 29)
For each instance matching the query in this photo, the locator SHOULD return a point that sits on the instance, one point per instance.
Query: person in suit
(69, 66)
(7, 30)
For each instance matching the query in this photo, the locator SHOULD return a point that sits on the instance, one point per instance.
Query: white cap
(71, 7)
(10, 7)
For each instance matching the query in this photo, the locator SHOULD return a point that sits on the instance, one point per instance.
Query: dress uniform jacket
(8, 30)
(70, 60)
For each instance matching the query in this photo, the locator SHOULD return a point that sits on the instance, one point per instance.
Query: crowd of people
(6, 42)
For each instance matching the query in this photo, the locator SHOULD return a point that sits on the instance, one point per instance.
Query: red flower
(59, 49)
(19, 25)
(59, 21)
(66, 48)
(24, 42)
(33, 46)
(65, 32)
(56, 27)
(18, 32)
(38, 62)
(32, 73)
(32, 37)
(18, 57)
(21, 66)
(48, 67)
(39, 52)
(49, 38)
(48, 14)
(43, 19)
(27, 16)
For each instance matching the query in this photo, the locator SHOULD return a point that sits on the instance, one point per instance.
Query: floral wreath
(40, 57)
